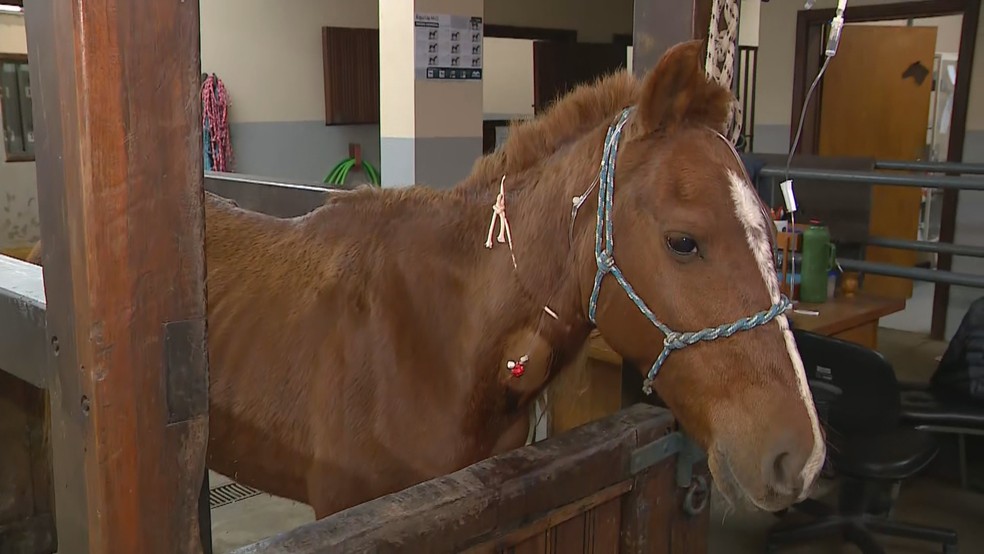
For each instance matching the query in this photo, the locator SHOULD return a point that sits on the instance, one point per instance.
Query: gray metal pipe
(843, 176)
(276, 198)
(927, 246)
(939, 167)
(914, 273)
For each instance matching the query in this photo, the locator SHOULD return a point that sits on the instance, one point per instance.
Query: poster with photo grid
(447, 47)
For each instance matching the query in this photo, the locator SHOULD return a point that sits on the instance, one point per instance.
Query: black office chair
(952, 403)
(857, 399)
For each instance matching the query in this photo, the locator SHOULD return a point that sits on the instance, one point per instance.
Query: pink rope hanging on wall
(216, 141)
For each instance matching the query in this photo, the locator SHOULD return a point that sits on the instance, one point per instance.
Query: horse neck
(547, 274)
(538, 211)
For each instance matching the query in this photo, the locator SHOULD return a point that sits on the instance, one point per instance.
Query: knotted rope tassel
(499, 214)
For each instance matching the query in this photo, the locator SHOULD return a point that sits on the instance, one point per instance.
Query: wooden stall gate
(629, 483)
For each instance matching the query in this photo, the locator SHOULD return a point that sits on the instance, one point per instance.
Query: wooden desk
(592, 387)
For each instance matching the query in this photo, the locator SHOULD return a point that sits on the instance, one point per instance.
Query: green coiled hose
(340, 172)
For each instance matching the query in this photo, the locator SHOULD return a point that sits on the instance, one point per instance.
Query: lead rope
(604, 256)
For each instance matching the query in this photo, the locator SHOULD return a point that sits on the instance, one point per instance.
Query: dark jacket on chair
(961, 371)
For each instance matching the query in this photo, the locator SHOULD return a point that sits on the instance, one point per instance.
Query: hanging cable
(833, 41)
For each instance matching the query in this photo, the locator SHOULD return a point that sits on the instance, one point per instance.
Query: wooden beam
(657, 25)
(955, 149)
(117, 115)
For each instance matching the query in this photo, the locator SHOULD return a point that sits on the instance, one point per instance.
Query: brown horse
(376, 342)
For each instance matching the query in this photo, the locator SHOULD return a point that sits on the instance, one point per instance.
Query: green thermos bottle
(817, 261)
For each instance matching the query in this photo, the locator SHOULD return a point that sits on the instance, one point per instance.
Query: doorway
(898, 89)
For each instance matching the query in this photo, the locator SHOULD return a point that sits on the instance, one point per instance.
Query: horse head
(676, 272)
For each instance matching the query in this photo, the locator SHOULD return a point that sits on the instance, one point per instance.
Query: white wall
(507, 81)
(748, 23)
(268, 54)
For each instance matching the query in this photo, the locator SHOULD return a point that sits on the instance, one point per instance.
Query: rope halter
(604, 256)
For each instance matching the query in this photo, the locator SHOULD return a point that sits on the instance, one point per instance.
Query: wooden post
(117, 116)
(658, 25)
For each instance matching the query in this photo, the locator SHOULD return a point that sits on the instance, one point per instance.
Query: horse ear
(678, 91)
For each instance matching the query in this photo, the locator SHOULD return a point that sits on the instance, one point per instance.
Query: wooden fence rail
(608, 486)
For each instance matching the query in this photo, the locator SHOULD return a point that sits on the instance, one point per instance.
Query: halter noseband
(604, 255)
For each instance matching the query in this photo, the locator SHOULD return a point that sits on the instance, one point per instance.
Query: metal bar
(928, 246)
(842, 176)
(280, 199)
(939, 167)
(914, 273)
(22, 333)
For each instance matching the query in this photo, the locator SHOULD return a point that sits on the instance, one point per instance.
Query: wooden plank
(652, 518)
(688, 533)
(865, 335)
(843, 313)
(26, 518)
(532, 545)
(556, 519)
(604, 524)
(569, 535)
(587, 390)
(490, 499)
(120, 197)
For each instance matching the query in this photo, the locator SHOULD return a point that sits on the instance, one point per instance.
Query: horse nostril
(779, 467)
(784, 469)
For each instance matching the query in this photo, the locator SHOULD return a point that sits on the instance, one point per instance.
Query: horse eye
(682, 244)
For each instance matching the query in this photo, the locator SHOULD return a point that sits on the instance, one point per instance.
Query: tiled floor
(925, 500)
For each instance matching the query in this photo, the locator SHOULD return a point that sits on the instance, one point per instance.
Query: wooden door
(558, 67)
(875, 102)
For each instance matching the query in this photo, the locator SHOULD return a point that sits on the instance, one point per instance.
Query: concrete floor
(925, 500)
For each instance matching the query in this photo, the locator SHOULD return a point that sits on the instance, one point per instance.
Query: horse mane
(568, 118)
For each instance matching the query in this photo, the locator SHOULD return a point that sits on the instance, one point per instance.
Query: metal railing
(971, 180)
(265, 195)
(914, 273)
(747, 78)
(928, 246)
(871, 178)
(959, 168)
